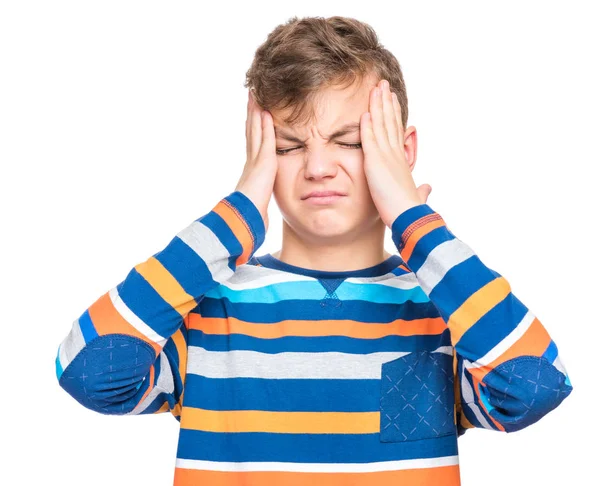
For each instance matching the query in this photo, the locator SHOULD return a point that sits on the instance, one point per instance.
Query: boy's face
(320, 164)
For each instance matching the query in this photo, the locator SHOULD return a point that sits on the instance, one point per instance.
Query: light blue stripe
(59, 369)
(315, 291)
(484, 398)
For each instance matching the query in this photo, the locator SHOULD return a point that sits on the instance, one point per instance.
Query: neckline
(269, 261)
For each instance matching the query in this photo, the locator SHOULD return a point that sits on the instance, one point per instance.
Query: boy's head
(315, 75)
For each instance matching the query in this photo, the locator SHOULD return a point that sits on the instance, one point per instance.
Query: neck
(359, 250)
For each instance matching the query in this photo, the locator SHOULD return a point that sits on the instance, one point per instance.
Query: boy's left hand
(388, 174)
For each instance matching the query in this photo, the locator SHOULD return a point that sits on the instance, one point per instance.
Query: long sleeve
(508, 373)
(126, 353)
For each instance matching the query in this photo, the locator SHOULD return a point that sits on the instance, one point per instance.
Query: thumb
(424, 190)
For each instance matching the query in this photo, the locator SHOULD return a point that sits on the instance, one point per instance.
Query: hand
(258, 178)
(388, 174)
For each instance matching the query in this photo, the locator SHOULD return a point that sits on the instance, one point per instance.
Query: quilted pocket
(417, 397)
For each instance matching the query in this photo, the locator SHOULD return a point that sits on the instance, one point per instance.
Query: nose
(319, 165)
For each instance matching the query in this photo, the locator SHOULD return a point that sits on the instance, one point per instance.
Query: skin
(376, 179)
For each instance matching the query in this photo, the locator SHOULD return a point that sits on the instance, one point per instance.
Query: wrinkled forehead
(333, 106)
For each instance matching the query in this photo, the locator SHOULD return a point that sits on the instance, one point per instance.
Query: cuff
(409, 221)
(250, 215)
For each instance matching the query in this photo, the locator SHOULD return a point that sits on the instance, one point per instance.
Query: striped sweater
(279, 374)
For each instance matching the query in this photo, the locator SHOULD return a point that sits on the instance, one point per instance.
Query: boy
(331, 361)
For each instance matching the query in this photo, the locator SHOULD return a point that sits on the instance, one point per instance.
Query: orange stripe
(465, 422)
(165, 285)
(107, 320)
(239, 227)
(280, 422)
(414, 238)
(176, 411)
(163, 408)
(439, 476)
(477, 306)
(533, 342)
(404, 267)
(181, 347)
(342, 327)
(476, 383)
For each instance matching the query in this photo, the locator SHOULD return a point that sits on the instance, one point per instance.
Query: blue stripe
(313, 310)
(426, 245)
(458, 284)
(405, 219)
(87, 328)
(146, 303)
(312, 448)
(492, 328)
(283, 395)
(186, 267)
(318, 344)
(226, 236)
(156, 369)
(158, 402)
(551, 352)
(250, 214)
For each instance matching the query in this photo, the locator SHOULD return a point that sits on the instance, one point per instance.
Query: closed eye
(347, 145)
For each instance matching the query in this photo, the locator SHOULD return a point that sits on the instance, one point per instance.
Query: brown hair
(303, 56)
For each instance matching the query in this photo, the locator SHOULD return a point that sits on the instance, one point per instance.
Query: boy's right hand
(258, 177)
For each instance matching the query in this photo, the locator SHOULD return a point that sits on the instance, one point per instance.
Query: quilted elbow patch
(522, 390)
(107, 374)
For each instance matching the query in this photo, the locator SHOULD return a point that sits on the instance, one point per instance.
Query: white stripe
(505, 344)
(62, 356)
(444, 349)
(252, 364)
(469, 397)
(71, 345)
(133, 319)
(440, 260)
(559, 366)
(207, 245)
(322, 467)
(251, 277)
(163, 385)
(404, 282)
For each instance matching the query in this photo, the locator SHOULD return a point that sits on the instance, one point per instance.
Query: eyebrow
(343, 130)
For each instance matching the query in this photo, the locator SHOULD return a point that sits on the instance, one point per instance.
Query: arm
(508, 374)
(126, 353)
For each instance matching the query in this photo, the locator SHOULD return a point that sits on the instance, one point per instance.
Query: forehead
(334, 106)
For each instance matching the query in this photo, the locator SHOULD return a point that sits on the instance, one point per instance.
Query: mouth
(322, 200)
(322, 194)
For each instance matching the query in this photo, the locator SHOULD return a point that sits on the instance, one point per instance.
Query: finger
(376, 110)
(398, 112)
(248, 121)
(255, 129)
(389, 116)
(267, 146)
(367, 137)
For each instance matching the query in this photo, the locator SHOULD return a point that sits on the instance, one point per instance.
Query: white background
(121, 122)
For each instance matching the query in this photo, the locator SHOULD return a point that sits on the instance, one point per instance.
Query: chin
(328, 227)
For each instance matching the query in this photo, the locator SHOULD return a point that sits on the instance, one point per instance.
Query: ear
(410, 146)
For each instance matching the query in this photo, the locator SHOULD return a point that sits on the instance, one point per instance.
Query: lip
(322, 194)
(321, 200)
